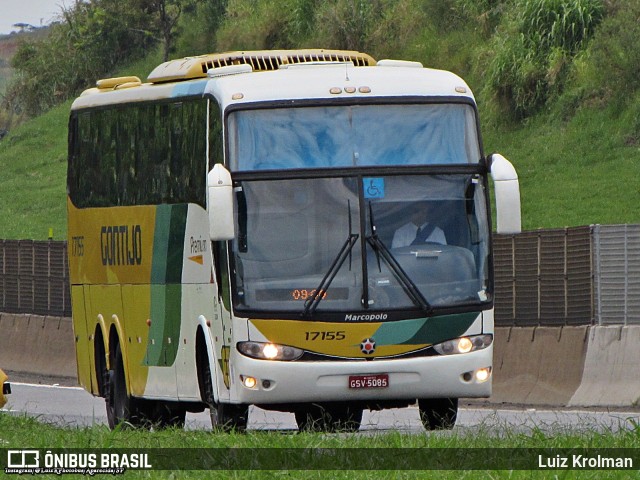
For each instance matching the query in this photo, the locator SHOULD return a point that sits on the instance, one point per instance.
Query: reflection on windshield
(346, 136)
(298, 232)
(381, 250)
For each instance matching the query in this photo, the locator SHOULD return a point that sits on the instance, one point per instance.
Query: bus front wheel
(438, 413)
(228, 417)
(224, 417)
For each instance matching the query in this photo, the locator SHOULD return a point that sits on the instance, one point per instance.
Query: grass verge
(25, 432)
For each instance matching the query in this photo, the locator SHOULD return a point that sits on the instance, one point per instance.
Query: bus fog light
(249, 382)
(483, 374)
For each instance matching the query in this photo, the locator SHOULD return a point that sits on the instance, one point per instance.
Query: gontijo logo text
(86, 463)
(121, 244)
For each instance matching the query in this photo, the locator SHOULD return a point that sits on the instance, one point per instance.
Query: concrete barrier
(554, 366)
(36, 344)
(538, 365)
(9, 339)
(610, 376)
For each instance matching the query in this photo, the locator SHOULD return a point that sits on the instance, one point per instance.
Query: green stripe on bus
(423, 331)
(164, 333)
(166, 288)
(439, 329)
(160, 244)
(168, 243)
(175, 253)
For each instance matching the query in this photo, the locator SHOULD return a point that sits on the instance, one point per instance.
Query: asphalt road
(66, 405)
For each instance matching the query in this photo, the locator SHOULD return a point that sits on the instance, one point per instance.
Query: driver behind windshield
(419, 229)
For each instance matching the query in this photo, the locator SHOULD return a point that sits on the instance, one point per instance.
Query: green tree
(93, 38)
(164, 16)
(199, 26)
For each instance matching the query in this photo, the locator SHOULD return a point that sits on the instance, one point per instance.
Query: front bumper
(327, 381)
(6, 388)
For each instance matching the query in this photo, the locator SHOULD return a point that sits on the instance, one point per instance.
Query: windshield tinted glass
(293, 233)
(346, 136)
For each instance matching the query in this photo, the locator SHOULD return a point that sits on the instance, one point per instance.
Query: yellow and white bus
(304, 231)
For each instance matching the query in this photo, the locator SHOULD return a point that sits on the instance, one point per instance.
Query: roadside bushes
(90, 41)
(614, 54)
(521, 55)
(266, 24)
(530, 56)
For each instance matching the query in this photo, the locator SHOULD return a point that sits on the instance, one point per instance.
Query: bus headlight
(464, 344)
(269, 351)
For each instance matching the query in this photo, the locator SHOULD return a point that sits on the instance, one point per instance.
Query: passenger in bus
(419, 229)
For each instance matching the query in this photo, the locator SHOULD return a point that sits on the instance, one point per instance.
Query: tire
(224, 417)
(122, 409)
(102, 373)
(438, 413)
(329, 418)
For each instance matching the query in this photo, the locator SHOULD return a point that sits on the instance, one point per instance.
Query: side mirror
(220, 203)
(507, 190)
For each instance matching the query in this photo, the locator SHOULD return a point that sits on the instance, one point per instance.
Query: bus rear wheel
(438, 413)
(121, 408)
(329, 418)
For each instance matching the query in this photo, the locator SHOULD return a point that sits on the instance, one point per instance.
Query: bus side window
(220, 265)
(216, 151)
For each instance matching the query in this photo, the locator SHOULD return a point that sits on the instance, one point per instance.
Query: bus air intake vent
(197, 67)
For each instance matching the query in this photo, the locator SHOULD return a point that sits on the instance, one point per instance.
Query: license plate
(369, 381)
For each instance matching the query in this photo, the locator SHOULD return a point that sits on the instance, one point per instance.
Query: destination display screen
(299, 294)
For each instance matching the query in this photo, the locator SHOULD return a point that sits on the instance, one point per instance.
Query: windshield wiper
(312, 302)
(381, 250)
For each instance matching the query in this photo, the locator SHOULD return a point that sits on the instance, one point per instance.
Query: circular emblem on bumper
(368, 346)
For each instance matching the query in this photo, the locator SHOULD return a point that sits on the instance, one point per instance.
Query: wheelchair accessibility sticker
(373, 187)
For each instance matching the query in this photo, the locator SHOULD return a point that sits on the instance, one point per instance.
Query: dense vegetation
(556, 83)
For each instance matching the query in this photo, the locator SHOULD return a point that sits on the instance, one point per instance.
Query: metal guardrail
(571, 276)
(34, 277)
(617, 274)
(544, 277)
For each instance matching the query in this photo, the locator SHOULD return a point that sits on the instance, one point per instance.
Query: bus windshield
(353, 135)
(393, 242)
